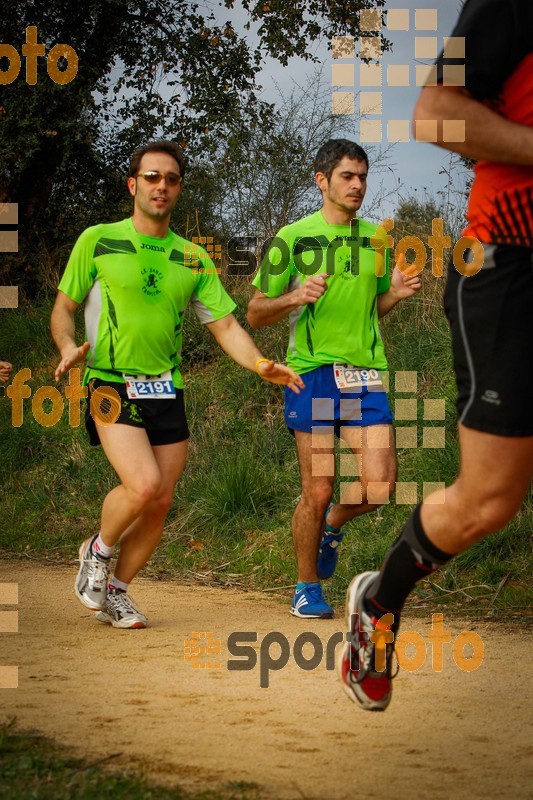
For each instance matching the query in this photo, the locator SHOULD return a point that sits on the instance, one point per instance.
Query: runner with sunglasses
(136, 278)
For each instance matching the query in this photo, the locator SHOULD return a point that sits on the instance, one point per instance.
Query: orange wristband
(261, 361)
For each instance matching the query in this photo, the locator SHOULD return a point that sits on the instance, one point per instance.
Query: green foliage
(267, 171)
(147, 69)
(237, 487)
(414, 217)
(287, 28)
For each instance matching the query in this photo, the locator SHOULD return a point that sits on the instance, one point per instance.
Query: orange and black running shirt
(499, 72)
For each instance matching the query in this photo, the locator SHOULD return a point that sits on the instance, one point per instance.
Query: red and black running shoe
(365, 663)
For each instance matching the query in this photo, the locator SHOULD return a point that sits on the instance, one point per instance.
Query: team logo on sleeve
(152, 278)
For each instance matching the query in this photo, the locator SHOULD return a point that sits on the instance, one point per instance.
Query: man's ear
(321, 181)
(132, 186)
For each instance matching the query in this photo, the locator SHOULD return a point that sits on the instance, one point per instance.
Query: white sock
(114, 583)
(100, 547)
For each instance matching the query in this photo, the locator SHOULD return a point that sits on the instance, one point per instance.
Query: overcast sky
(414, 167)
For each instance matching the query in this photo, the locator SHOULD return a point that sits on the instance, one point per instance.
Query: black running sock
(411, 558)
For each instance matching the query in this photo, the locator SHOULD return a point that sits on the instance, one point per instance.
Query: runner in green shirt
(330, 273)
(343, 324)
(136, 278)
(134, 282)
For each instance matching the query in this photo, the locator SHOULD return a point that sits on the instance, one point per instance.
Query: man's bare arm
(240, 346)
(264, 310)
(404, 284)
(489, 136)
(63, 330)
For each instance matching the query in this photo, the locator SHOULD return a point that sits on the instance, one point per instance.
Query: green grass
(230, 523)
(32, 766)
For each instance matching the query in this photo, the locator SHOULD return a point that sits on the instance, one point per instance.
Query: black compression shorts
(491, 319)
(164, 420)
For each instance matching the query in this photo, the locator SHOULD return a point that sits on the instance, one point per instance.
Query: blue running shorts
(322, 404)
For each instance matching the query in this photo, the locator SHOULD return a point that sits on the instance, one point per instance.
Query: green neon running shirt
(136, 289)
(343, 324)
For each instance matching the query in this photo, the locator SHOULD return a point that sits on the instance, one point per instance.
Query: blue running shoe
(309, 602)
(328, 554)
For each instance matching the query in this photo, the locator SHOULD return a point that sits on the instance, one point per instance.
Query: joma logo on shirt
(152, 247)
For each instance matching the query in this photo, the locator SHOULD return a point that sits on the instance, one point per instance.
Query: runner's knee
(494, 514)
(163, 502)
(378, 487)
(318, 498)
(144, 489)
(476, 519)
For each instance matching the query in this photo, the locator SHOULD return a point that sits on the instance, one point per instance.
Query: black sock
(411, 558)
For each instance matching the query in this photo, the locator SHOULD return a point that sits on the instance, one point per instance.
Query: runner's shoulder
(114, 231)
(367, 228)
(195, 245)
(299, 227)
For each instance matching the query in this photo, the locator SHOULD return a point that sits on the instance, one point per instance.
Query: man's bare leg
(494, 477)
(317, 473)
(129, 452)
(140, 540)
(134, 511)
(493, 480)
(374, 447)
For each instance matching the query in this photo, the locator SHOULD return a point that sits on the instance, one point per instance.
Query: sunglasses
(154, 177)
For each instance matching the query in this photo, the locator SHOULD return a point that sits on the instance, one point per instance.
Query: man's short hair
(162, 146)
(334, 151)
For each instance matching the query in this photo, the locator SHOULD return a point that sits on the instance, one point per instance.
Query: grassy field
(230, 523)
(32, 766)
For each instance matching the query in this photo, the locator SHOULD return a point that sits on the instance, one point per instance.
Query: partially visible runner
(136, 278)
(330, 273)
(5, 370)
(492, 333)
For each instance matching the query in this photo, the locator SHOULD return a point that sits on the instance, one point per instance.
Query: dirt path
(101, 691)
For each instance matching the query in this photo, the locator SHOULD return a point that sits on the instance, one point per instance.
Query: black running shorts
(164, 420)
(491, 319)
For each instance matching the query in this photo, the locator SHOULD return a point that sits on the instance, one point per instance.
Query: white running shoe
(91, 581)
(120, 612)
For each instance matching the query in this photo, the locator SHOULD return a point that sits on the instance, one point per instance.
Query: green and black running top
(136, 289)
(342, 326)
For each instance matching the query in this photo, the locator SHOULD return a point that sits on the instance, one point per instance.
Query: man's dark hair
(161, 146)
(334, 151)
